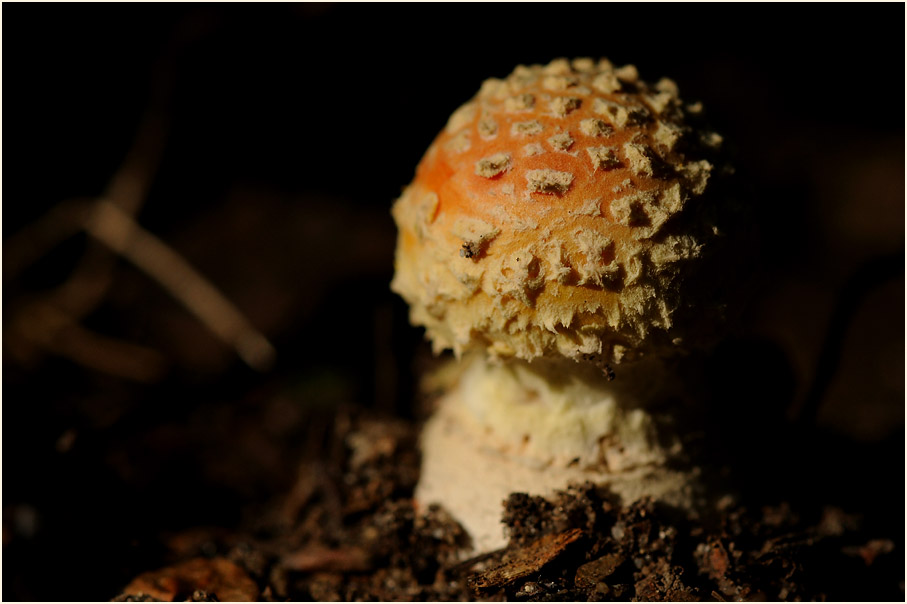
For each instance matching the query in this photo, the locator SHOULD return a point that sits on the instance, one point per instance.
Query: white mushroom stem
(535, 428)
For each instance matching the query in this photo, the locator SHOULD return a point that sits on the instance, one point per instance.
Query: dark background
(287, 131)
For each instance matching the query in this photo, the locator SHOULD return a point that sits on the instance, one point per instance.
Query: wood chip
(524, 561)
(592, 573)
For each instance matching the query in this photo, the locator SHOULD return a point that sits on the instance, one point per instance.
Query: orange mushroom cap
(562, 212)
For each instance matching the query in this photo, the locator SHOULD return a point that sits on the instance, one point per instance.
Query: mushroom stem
(515, 426)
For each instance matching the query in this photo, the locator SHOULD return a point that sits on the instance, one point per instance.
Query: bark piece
(524, 561)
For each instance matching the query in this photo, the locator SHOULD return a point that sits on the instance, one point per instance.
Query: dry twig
(52, 323)
(116, 229)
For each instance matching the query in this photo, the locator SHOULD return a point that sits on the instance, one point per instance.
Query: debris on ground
(355, 534)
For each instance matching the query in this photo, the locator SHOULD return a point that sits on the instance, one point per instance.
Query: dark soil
(348, 530)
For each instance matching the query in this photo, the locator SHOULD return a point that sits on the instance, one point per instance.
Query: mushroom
(559, 236)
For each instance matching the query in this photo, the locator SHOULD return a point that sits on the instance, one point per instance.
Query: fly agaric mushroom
(559, 232)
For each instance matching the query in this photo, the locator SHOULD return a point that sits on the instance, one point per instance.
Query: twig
(91, 279)
(53, 322)
(34, 241)
(43, 324)
(116, 229)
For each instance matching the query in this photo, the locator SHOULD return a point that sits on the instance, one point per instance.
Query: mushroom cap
(564, 211)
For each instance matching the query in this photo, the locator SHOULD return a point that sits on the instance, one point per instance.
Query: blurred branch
(44, 325)
(89, 282)
(37, 239)
(116, 229)
(52, 322)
